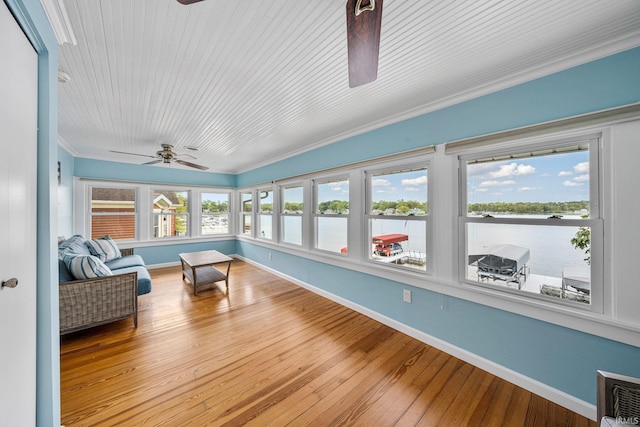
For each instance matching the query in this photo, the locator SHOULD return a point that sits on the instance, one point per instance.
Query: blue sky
(552, 178)
(410, 185)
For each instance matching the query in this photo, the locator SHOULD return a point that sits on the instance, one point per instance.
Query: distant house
(164, 208)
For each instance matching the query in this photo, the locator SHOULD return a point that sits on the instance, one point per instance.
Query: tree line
(211, 206)
(530, 208)
(342, 206)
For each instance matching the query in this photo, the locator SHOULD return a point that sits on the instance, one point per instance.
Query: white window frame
(198, 215)
(90, 214)
(189, 231)
(144, 212)
(260, 214)
(369, 216)
(595, 222)
(316, 215)
(283, 214)
(242, 214)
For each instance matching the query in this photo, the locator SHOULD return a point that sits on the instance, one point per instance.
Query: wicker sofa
(93, 301)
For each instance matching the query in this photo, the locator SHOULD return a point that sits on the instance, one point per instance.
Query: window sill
(174, 241)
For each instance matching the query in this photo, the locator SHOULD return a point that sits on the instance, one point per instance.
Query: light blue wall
(598, 85)
(169, 253)
(100, 169)
(31, 17)
(65, 193)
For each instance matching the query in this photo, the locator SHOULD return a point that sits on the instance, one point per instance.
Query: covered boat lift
(388, 244)
(502, 262)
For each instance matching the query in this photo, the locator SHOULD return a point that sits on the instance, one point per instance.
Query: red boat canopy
(387, 239)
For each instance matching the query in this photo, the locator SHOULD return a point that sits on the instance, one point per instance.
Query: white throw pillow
(104, 248)
(86, 267)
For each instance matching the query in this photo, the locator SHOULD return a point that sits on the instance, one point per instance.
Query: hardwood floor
(273, 354)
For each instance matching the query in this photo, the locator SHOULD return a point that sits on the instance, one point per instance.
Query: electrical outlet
(269, 256)
(406, 296)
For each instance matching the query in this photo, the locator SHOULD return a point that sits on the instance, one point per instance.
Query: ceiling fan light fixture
(63, 77)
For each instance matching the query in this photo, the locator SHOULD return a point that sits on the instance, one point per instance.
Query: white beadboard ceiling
(251, 82)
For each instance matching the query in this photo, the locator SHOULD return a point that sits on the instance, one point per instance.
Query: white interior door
(18, 165)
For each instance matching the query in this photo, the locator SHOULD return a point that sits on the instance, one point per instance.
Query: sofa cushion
(86, 266)
(103, 248)
(74, 245)
(125, 261)
(144, 279)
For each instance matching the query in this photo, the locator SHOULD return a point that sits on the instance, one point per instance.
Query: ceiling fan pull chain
(360, 9)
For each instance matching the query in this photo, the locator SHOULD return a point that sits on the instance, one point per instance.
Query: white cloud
(572, 184)
(413, 190)
(513, 169)
(421, 180)
(380, 182)
(581, 167)
(480, 169)
(480, 190)
(496, 183)
(582, 178)
(565, 173)
(527, 188)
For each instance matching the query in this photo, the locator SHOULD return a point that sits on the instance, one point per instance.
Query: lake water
(549, 246)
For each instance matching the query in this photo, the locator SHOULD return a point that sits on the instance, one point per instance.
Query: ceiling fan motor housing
(166, 154)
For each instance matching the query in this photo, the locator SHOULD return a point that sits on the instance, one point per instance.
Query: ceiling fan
(166, 155)
(364, 18)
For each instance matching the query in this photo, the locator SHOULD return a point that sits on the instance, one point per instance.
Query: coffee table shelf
(198, 268)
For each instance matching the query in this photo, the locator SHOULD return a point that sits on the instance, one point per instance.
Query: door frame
(34, 23)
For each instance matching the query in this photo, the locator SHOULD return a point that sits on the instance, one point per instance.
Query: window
(291, 214)
(170, 213)
(265, 214)
(214, 213)
(396, 215)
(113, 212)
(530, 221)
(331, 214)
(246, 211)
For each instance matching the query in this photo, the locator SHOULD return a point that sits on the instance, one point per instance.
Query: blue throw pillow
(86, 266)
(104, 248)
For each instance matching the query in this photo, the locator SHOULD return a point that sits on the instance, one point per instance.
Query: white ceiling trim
(59, 20)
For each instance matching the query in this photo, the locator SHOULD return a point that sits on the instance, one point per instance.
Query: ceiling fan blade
(132, 154)
(153, 162)
(188, 1)
(364, 19)
(192, 165)
(185, 154)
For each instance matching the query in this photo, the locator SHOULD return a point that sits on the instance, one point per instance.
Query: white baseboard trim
(561, 398)
(163, 265)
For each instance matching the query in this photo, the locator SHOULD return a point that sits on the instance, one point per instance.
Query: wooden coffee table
(199, 268)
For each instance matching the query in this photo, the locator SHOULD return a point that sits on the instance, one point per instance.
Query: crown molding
(59, 20)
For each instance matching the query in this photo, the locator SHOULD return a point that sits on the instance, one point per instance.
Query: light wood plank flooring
(269, 353)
